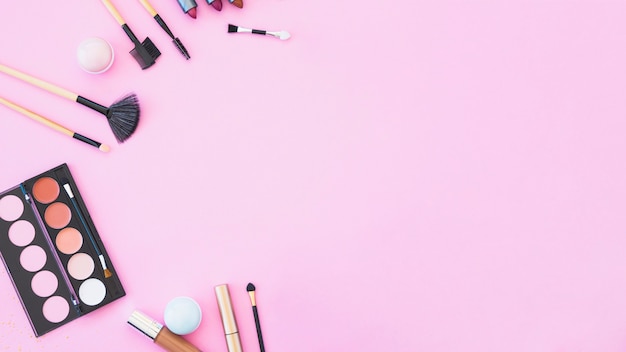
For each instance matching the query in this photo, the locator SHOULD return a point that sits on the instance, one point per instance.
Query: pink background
(398, 176)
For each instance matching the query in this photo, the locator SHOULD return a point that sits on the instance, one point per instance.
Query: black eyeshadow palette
(53, 252)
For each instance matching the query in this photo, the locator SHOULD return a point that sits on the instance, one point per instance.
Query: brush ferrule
(130, 34)
(93, 105)
(164, 26)
(104, 264)
(87, 140)
(145, 324)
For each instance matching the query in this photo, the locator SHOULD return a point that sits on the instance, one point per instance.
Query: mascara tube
(160, 334)
(228, 318)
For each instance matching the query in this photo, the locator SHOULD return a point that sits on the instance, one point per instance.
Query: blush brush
(144, 52)
(161, 23)
(123, 115)
(252, 292)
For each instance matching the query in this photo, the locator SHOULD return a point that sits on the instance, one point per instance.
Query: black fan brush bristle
(123, 117)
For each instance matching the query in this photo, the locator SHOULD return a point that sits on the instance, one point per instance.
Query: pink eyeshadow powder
(44, 283)
(69, 240)
(11, 208)
(58, 215)
(33, 258)
(55, 309)
(80, 266)
(46, 190)
(21, 233)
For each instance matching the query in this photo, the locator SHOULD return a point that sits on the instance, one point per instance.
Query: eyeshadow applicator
(144, 52)
(251, 291)
(282, 35)
(161, 23)
(123, 115)
(103, 147)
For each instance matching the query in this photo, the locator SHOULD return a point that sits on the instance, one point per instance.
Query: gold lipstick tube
(228, 318)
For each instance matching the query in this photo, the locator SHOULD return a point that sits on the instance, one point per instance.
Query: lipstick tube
(228, 318)
(160, 334)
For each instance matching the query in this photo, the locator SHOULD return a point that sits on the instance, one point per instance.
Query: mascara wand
(161, 23)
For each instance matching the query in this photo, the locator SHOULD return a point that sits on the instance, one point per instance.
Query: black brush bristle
(123, 117)
(250, 287)
(232, 28)
(181, 48)
(152, 49)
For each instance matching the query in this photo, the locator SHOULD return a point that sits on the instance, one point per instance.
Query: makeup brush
(282, 35)
(217, 4)
(161, 23)
(145, 52)
(68, 190)
(54, 125)
(123, 115)
(251, 291)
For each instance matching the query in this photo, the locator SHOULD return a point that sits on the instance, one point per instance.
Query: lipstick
(160, 334)
(228, 318)
(189, 7)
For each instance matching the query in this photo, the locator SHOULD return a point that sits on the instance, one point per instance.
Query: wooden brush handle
(36, 117)
(148, 7)
(39, 83)
(114, 12)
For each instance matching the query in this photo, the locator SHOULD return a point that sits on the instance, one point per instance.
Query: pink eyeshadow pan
(80, 266)
(55, 309)
(46, 190)
(44, 283)
(58, 215)
(11, 208)
(33, 258)
(21, 233)
(69, 240)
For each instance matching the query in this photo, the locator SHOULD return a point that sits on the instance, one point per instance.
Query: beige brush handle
(148, 7)
(114, 12)
(36, 117)
(39, 83)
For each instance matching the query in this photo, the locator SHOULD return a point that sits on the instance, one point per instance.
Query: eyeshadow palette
(52, 251)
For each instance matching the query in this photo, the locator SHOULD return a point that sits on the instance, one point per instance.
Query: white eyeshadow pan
(92, 292)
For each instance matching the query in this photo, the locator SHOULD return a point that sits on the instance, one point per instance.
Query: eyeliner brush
(161, 23)
(68, 190)
(251, 291)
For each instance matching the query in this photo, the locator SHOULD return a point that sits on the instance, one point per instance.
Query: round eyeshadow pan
(58, 215)
(92, 292)
(44, 283)
(46, 190)
(33, 258)
(69, 240)
(80, 266)
(11, 208)
(21, 233)
(55, 309)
